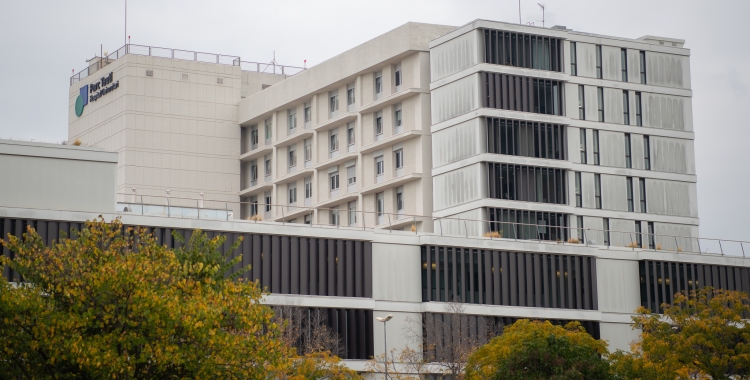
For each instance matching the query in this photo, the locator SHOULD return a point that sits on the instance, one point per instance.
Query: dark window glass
(573, 59)
(624, 64)
(638, 237)
(581, 104)
(625, 108)
(522, 50)
(638, 110)
(646, 153)
(583, 145)
(651, 240)
(528, 139)
(599, 61)
(629, 189)
(605, 227)
(643, 66)
(600, 101)
(527, 183)
(598, 190)
(596, 147)
(628, 158)
(642, 186)
(579, 195)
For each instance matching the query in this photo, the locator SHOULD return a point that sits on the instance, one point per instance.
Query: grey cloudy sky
(42, 41)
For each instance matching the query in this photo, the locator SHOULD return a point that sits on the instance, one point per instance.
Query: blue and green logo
(82, 100)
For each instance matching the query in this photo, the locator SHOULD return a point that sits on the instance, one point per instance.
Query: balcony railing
(187, 55)
(448, 226)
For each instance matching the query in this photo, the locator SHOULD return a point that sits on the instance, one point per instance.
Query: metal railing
(188, 55)
(445, 226)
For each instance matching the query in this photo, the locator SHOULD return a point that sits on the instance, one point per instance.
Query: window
(399, 158)
(378, 85)
(579, 195)
(254, 137)
(596, 147)
(397, 119)
(292, 157)
(628, 158)
(308, 150)
(625, 108)
(599, 61)
(352, 208)
(379, 123)
(543, 96)
(583, 145)
(526, 138)
(380, 207)
(333, 102)
(573, 59)
(646, 153)
(523, 50)
(350, 96)
(598, 190)
(334, 141)
(292, 120)
(642, 187)
(579, 222)
(268, 130)
(308, 189)
(379, 166)
(308, 219)
(400, 199)
(334, 217)
(651, 240)
(643, 66)
(268, 203)
(397, 77)
(629, 190)
(638, 110)
(293, 195)
(268, 166)
(350, 136)
(605, 227)
(308, 114)
(254, 172)
(600, 100)
(638, 237)
(581, 103)
(351, 180)
(624, 64)
(334, 178)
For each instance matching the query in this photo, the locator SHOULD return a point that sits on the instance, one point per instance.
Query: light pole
(385, 340)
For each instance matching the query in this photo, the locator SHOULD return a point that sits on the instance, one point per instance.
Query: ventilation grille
(219, 80)
(149, 73)
(184, 77)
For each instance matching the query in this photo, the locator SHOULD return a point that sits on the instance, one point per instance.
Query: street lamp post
(385, 341)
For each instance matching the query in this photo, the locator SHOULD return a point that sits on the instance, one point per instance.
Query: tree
(540, 350)
(202, 257)
(700, 336)
(113, 303)
(450, 337)
(408, 364)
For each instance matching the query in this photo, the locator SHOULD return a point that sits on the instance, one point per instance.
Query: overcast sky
(42, 41)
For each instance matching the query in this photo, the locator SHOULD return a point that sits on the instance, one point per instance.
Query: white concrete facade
(659, 114)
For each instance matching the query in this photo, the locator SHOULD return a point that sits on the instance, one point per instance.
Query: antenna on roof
(126, 22)
(542, 13)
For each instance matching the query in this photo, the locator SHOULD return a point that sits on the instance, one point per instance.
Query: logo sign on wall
(92, 92)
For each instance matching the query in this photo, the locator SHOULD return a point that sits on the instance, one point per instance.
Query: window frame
(398, 158)
(333, 141)
(379, 166)
(292, 192)
(642, 59)
(582, 146)
(379, 130)
(598, 62)
(624, 63)
(625, 107)
(352, 211)
(595, 136)
(598, 191)
(333, 180)
(573, 59)
(581, 102)
(291, 122)
(629, 193)
(646, 152)
(642, 191)
(292, 156)
(628, 152)
(578, 189)
(600, 101)
(638, 109)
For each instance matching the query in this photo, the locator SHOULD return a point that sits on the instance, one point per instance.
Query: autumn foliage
(113, 303)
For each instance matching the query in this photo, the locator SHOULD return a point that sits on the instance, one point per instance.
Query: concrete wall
(57, 177)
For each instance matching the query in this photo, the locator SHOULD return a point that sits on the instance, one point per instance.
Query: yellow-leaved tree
(704, 335)
(111, 302)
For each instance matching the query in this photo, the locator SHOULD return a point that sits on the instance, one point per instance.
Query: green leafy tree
(202, 257)
(109, 304)
(540, 350)
(700, 336)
